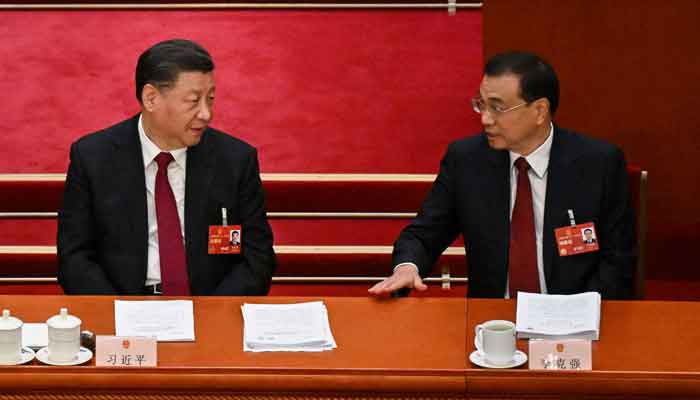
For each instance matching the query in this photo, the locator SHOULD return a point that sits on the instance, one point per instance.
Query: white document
(558, 316)
(286, 327)
(167, 320)
(35, 335)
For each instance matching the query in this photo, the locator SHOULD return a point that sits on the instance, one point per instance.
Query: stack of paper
(545, 316)
(286, 327)
(167, 320)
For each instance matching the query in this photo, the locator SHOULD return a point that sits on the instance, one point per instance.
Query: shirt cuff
(407, 263)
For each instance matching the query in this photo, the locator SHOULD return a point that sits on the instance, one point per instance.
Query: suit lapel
(130, 179)
(199, 174)
(561, 177)
(499, 164)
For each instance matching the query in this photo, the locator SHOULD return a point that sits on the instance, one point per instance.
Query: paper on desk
(35, 335)
(558, 316)
(286, 327)
(167, 320)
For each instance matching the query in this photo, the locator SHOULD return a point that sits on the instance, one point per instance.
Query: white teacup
(10, 338)
(495, 341)
(64, 337)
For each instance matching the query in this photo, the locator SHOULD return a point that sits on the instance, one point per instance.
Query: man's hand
(405, 276)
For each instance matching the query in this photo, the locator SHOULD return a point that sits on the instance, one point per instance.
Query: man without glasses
(141, 195)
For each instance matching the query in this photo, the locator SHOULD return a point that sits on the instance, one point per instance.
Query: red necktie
(522, 257)
(173, 264)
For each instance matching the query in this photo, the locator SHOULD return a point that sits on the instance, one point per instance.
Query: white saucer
(84, 355)
(518, 359)
(26, 355)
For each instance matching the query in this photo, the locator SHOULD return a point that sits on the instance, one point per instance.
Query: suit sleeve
(616, 235)
(78, 269)
(435, 226)
(254, 274)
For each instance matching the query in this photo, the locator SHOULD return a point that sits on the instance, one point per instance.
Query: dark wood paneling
(630, 73)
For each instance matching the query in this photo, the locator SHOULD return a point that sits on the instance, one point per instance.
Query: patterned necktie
(522, 257)
(173, 264)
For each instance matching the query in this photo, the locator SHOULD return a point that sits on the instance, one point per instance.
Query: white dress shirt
(176, 177)
(539, 165)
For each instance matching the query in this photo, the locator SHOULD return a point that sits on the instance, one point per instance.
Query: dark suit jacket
(471, 196)
(102, 226)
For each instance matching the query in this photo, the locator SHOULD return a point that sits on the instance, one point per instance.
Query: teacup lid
(8, 323)
(63, 320)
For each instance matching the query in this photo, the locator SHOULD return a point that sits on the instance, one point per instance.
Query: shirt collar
(150, 150)
(538, 159)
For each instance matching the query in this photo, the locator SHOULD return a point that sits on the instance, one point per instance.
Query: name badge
(126, 351)
(576, 239)
(225, 239)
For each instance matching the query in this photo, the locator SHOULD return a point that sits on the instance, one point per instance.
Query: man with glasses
(512, 190)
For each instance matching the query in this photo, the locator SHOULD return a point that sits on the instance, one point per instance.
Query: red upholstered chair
(638, 193)
(333, 232)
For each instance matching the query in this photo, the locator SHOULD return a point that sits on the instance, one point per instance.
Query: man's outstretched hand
(405, 276)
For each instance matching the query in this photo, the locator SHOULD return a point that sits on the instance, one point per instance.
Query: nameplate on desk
(561, 355)
(126, 351)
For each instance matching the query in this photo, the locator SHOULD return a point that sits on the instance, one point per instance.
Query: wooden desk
(647, 349)
(408, 348)
(403, 348)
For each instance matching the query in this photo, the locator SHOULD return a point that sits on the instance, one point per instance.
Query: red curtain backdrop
(630, 73)
(314, 91)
